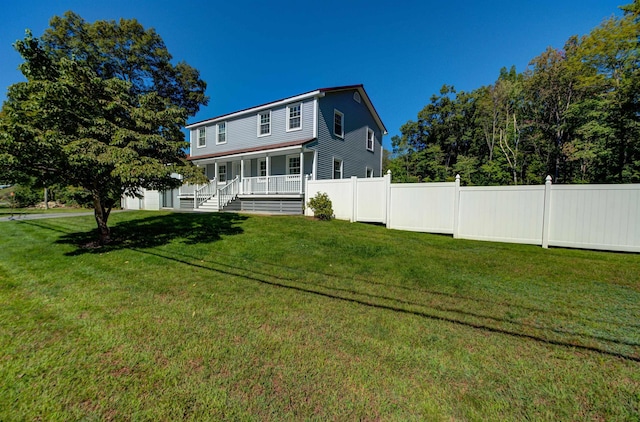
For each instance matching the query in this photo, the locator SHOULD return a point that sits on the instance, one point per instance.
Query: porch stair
(210, 205)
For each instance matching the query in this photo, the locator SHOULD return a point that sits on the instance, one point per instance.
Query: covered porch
(275, 172)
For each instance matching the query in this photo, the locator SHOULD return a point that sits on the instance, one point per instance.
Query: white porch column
(241, 175)
(215, 175)
(268, 172)
(301, 172)
(315, 164)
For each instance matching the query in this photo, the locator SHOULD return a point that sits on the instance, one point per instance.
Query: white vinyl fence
(605, 217)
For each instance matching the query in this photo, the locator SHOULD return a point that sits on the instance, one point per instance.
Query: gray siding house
(257, 159)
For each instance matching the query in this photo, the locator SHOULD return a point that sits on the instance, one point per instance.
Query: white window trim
(289, 129)
(333, 168)
(204, 129)
(293, 156)
(339, 135)
(220, 166)
(262, 160)
(366, 170)
(260, 135)
(373, 140)
(226, 132)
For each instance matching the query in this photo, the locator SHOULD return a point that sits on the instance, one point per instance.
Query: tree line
(574, 114)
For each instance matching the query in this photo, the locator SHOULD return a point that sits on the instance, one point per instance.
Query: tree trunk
(102, 215)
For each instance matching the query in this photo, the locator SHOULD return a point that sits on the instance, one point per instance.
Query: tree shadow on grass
(576, 341)
(158, 230)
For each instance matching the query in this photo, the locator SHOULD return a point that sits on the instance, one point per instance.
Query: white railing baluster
(202, 194)
(282, 184)
(228, 193)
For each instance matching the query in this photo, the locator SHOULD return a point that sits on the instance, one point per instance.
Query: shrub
(73, 196)
(27, 196)
(321, 206)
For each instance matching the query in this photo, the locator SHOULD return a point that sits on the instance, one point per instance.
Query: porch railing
(187, 190)
(203, 193)
(264, 185)
(228, 193)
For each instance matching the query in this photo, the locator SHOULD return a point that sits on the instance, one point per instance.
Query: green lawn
(225, 316)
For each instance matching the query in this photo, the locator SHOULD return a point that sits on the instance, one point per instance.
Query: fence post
(387, 199)
(546, 212)
(456, 207)
(354, 199)
(305, 195)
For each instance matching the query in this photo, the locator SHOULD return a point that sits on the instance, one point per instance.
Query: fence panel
(132, 203)
(605, 217)
(371, 204)
(502, 213)
(424, 207)
(595, 217)
(340, 192)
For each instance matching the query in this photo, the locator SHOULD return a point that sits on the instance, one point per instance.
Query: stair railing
(203, 193)
(228, 193)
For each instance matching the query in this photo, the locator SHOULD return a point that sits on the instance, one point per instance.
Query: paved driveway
(20, 217)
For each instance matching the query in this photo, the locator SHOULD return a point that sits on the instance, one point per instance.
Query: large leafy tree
(610, 63)
(102, 109)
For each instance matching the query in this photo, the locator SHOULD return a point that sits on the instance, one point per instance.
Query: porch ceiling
(255, 152)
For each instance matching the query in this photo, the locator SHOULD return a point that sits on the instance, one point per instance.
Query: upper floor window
(338, 124)
(337, 168)
(371, 139)
(294, 117)
(202, 137)
(222, 133)
(293, 164)
(264, 123)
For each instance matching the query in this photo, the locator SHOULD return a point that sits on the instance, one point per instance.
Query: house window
(294, 117)
(222, 173)
(264, 123)
(371, 139)
(202, 137)
(369, 172)
(338, 124)
(222, 133)
(262, 167)
(337, 169)
(293, 164)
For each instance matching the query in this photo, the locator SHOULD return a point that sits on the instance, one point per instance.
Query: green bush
(321, 206)
(73, 196)
(27, 196)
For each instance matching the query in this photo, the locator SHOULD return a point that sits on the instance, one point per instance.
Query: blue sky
(252, 52)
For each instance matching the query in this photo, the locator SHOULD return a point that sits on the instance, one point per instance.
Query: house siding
(352, 149)
(242, 132)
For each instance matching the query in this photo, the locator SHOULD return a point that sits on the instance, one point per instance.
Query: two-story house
(257, 159)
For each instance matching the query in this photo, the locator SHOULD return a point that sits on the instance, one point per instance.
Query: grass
(224, 316)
